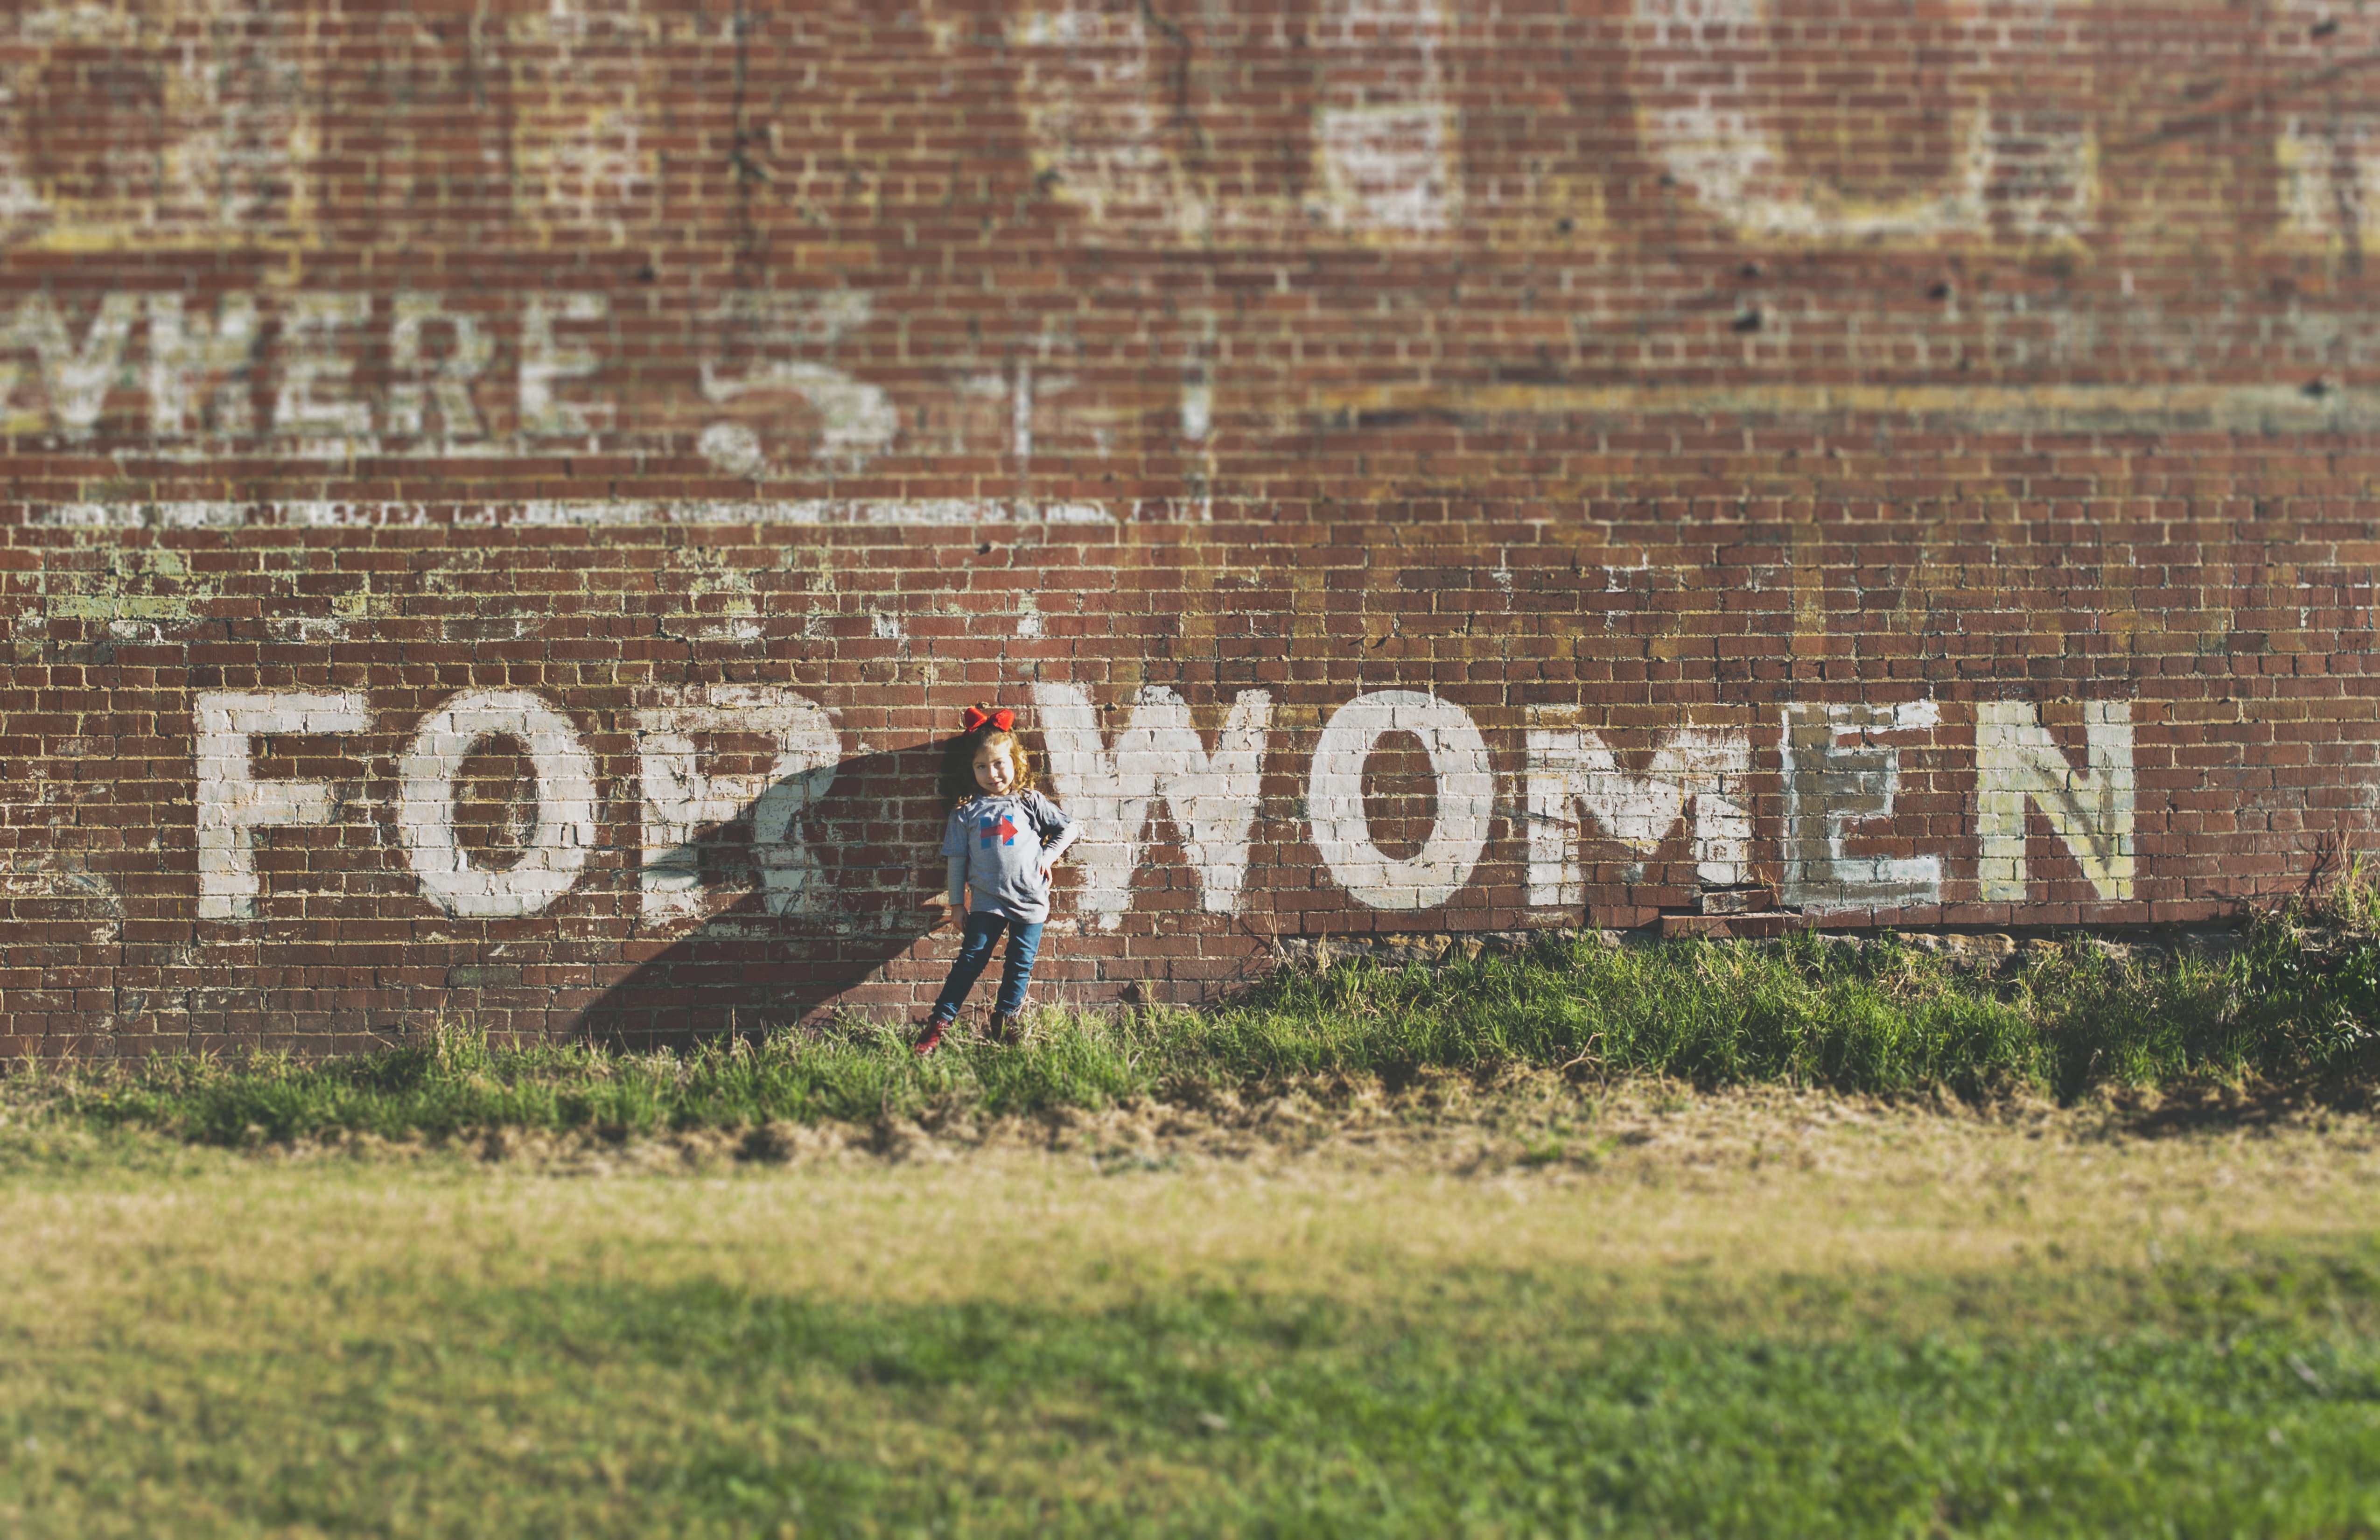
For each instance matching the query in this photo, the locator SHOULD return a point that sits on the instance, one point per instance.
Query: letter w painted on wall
(2017, 761)
(1158, 755)
(1569, 769)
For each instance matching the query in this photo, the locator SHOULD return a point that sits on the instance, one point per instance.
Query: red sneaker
(931, 1039)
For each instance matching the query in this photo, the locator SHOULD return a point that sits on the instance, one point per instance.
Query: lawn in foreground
(1908, 1330)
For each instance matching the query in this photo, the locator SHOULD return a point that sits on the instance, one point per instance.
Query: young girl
(1002, 840)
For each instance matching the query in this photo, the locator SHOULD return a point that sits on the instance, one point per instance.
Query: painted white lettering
(1569, 770)
(546, 362)
(856, 421)
(313, 401)
(1838, 776)
(2090, 809)
(187, 355)
(76, 377)
(1466, 795)
(232, 805)
(680, 797)
(1713, 115)
(445, 384)
(556, 849)
(1158, 755)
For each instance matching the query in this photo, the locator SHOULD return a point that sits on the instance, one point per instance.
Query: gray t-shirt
(1001, 838)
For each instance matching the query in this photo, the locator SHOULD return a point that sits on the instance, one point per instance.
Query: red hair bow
(1003, 720)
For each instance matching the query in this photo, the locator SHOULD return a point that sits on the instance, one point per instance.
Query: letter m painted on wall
(1571, 773)
(2016, 762)
(1157, 756)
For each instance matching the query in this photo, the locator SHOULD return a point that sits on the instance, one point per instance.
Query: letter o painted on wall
(565, 835)
(1466, 795)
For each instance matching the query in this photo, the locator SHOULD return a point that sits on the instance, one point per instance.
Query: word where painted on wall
(1840, 772)
(292, 369)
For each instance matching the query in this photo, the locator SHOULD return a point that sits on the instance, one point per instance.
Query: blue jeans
(983, 928)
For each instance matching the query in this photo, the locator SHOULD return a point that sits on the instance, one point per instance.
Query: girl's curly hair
(958, 762)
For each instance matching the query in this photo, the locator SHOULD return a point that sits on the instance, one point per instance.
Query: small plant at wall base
(1887, 1017)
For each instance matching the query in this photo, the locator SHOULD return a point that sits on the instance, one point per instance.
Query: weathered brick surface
(501, 500)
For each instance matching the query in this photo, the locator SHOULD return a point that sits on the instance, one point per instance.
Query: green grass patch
(1889, 1019)
(2234, 1398)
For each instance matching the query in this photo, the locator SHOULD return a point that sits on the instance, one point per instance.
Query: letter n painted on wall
(2017, 763)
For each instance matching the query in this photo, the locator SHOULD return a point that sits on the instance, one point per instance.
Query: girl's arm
(1056, 848)
(954, 901)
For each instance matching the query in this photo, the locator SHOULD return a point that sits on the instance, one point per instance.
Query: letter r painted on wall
(685, 794)
(1697, 774)
(2017, 764)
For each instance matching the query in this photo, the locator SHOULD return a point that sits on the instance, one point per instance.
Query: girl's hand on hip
(1048, 867)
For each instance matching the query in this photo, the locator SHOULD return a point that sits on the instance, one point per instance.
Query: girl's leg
(974, 951)
(1017, 971)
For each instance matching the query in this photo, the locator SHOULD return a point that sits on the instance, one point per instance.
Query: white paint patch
(2330, 177)
(1570, 770)
(75, 374)
(1384, 133)
(232, 805)
(887, 512)
(566, 831)
(316, 405)
(884, 628)
(1092, 84)
(423, 387)
(856, 421)
(179, 125)
(1466, 798)
(585, 165)
(1838, 777)
(1713, 96)
(196, 370)
(682, 796)
(2091, 809)
(1197, 409)
(1157, 756)
(549, 361)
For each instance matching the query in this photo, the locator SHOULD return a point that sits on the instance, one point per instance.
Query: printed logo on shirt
(995, 826)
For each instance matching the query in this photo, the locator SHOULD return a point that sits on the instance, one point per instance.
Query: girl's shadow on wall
(754, 938)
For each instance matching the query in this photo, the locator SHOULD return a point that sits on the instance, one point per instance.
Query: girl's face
(995, 769)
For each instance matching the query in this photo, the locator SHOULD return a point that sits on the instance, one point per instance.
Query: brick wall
(501, 501)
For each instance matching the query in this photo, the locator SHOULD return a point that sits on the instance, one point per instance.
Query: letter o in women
(565, 835)
(1466, 795)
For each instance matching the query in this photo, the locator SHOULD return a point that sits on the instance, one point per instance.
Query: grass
(327, 1347)
(1206, 1411)
(1882, 1324)
(1889, 1019)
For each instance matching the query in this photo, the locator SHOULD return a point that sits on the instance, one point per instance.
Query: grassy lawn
(2167, 1340)
(1716, 1268)
(1887, 1019)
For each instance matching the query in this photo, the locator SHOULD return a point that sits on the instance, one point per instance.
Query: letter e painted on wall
(1836, 778)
